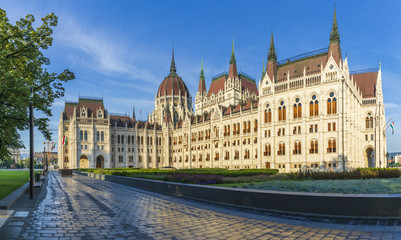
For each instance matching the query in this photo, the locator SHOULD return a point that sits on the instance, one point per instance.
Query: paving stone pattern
(80, 207)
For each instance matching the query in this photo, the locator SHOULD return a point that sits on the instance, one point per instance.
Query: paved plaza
(80, 207)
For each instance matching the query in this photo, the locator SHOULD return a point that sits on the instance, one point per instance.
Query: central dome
(172, 85)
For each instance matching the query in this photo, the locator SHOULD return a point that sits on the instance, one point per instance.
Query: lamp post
(31, 146)
(31, 143)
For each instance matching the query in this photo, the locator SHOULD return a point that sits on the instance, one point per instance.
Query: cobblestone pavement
(80, 207)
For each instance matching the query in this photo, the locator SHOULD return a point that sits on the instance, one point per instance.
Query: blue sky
(121, 50)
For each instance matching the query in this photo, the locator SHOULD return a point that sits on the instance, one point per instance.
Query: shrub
(359, 173)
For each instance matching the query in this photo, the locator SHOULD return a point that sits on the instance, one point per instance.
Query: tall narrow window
(118, 139)
(97, 136)
(313, 146)
(81, 135)
(86, 135)
(102, 136)
(331, 104)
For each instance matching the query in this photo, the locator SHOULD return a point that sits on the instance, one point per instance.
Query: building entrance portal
(100, 162)
(369, 158)
(83, 162)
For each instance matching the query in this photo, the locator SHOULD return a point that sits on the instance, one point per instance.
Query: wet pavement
(80, 207)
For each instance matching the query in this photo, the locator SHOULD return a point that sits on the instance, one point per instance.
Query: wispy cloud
(106, 54)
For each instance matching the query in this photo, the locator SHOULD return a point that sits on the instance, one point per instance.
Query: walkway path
(82, 207)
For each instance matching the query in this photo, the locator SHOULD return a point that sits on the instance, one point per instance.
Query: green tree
(23, 66)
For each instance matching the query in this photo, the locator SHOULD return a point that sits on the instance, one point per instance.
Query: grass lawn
(382, 185)
(11, 181)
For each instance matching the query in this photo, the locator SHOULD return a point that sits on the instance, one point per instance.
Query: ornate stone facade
(308, 112)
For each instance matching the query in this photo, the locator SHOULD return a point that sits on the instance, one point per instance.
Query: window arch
(118, 139)
(369, 121)
(227, 156)
(83, 113)
(86, 135)
(281, 149)
(99, 114)
(332, 146)
(128, 139)
(314, 107)
(297, 147)
(268, 114)
(244, 131)
(97, 136)
(122, 139)
(282, 111)
(102, 136)
(236, 156)
(246, 154)
(268, 149)
(249, 126)
(297, 109)
(313, 146)
(332, 104)
(81, 135)
(255, 127)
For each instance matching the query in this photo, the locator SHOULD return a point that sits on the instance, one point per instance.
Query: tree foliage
(23, 66)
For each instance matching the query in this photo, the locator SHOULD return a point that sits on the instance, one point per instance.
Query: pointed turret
(272, 51)
(271, 66)
(334, 47)
(133, 114)
(263, 69)
(172, 67)
(334, 35)
(202, 85)
(232, 73)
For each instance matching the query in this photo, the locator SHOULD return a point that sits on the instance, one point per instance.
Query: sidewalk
(13, 221)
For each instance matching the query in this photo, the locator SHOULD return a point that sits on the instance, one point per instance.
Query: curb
(8, 201)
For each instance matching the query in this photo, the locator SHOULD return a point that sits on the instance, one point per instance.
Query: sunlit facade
(308, 112)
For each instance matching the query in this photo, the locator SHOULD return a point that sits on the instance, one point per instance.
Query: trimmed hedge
(207, 171)
(359, 173)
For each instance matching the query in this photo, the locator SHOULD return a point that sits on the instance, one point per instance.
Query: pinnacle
(172, 67)
(272, 51)
(232, 60)
(334, 35)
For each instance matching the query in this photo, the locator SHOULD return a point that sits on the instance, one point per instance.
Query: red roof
(91, 106)
(172, 85)
(311, 64)
(367, 83)
(217, 85)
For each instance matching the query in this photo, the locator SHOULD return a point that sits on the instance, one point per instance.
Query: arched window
(297, 148)
(99, 114)
(83, 113)
(227, 157)
(86, 135)
(331, 146)
(244, 131)
(102, 136)
(122, 139)
(281, 112)
(314, 107)
(238, 128)
(228, 132)
(255, 128)
(249, 126)
(118, 139)
(369, 121)
(97, 136)
(216, 156)
(267, 151)
(234, 129)
(332, 104)
(281, 149)
(268, 114)
(313, 146)
(129, 139)
(236, 156)
(81, 135)
(297, 111)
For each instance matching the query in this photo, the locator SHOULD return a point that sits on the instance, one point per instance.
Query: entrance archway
(100, 162)
(370, 158)
(83, 162)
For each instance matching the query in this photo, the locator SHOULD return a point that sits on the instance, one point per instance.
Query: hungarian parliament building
(308, 112)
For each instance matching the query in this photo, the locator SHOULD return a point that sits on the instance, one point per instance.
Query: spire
(172, 68)
(133, 113)
(272, 51)
(232, 72)
(263, 69)
(232, 60)
(334, 35)
(202, 84)
(202, 75)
